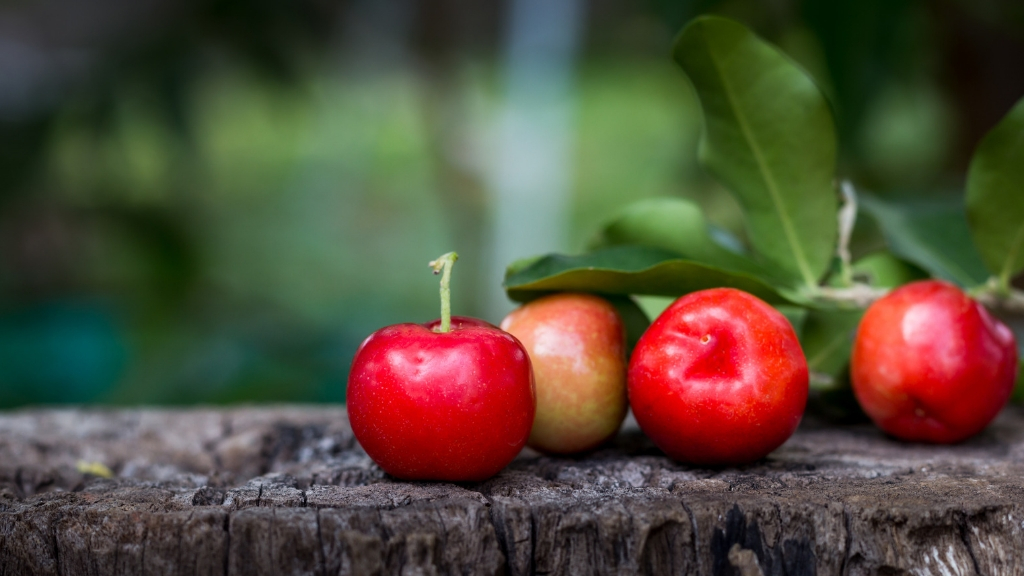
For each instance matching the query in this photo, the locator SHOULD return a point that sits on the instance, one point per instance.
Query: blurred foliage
(216, 200)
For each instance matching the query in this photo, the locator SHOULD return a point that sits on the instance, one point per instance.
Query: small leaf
(677, 225)
(1016, 323)
(519, 264)
(626, 270)
(1018, 387)
(633, 318)
(827, 339)
(770, 138)
(995, 196)
(884, 270)
(669, 223)
(932, 234)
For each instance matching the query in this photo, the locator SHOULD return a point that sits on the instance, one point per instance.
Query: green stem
(999, 297)
(857, 295)
(847, 217)
(444, 263)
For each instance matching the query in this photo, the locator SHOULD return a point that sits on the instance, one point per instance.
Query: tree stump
(287, 490)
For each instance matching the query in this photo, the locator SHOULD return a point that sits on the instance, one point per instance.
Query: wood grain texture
(287, 490)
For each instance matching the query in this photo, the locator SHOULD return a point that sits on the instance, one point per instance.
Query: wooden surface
(288, 491)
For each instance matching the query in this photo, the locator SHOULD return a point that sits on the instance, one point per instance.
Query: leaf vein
(768, 177)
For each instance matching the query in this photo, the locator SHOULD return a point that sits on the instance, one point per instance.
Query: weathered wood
(288, 491)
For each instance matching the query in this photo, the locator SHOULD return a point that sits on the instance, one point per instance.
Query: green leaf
(676, 225)
(633, 318)
(827, 339)
(884, 270)
(519, 264)
(770, 138)
(1018, 387)
(796, 316)
(626, 270)
(1016, 323)
(669, 223)
(995, 196)
(931, 233)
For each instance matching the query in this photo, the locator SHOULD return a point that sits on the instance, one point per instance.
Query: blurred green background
(217, 200)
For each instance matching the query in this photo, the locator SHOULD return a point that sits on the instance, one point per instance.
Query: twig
(847, 217)
(860, 295)
(1011, 302)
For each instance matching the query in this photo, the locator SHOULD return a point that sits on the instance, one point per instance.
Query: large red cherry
(718, 378)
(930, 364)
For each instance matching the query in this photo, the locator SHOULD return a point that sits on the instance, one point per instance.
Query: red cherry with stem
(449, 400)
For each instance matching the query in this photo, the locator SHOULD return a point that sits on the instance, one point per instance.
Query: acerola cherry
(577, 347)
(448, 400)
(930, 364)
(718, 378)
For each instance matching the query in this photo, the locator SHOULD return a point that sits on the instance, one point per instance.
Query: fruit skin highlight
(930, 364)
(576, 344)
(718, 378)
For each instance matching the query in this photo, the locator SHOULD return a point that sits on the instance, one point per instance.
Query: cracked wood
(287, 490)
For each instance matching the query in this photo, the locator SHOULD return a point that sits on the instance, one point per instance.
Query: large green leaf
(770, 138)
(995, 196)
(632, 270)
(677, 225)
(931, 233)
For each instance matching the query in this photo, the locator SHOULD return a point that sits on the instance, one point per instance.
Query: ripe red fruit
(577, 347)
(433, 404)
(930, 364)
(718, 378)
